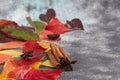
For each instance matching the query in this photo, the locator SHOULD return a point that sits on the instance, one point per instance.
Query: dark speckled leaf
(48, 16)
(76, 24)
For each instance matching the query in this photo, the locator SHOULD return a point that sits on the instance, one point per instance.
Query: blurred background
(97, 48)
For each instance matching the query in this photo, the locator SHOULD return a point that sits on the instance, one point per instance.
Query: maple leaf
(56, 27)
(32, 45)
(29, 73)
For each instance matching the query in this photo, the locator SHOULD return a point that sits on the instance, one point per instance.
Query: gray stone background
(97, 48)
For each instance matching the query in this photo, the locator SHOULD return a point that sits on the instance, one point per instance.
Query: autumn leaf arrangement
(29, 52)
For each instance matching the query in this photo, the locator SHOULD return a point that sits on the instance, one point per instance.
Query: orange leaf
(13, 44)
(4, 57)
(8, 67)
(56, 27)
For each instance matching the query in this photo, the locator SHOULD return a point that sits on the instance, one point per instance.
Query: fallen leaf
(56, 27)
(76, 24)
(32, 45)
(45, 33)
(6, 37)
(3, 38)
(4, 23)
(53, 36)
(8, 67)
(4, 58)
(12, 53)
(11, 45)
(36, 65)
(47, 63)
(45, 45)
(28, 62)
(20, 33)
(39, 26)
(48, 16)
(29, 73)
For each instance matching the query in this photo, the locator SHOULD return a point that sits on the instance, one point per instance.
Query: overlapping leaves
(51, 30)
(26, 63)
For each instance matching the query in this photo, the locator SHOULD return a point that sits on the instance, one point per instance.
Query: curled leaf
(48, 16)
(56, 27)
(53, 36)
(76, 24)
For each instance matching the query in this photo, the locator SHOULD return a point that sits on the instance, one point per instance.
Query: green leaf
(39, 26)
(21, 33)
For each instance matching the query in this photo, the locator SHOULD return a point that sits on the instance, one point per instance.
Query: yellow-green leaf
(21, 33)
(39, 26)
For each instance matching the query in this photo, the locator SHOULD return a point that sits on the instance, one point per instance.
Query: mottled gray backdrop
(97, 48)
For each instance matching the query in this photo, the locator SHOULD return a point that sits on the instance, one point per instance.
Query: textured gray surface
(97, 48)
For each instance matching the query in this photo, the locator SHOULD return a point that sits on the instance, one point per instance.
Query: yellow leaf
(45, 45)
(47, 63)
(36, 65)
(12, 53)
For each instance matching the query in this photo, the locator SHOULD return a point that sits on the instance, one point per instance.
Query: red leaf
(27, 62)
(32, 45)
(56, 27)
(28, 73)
(4, 22)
